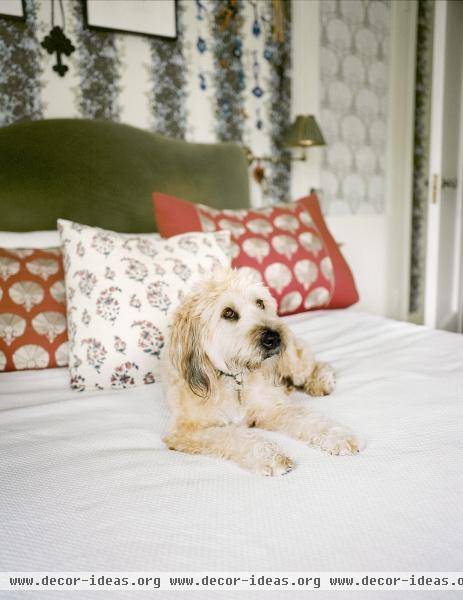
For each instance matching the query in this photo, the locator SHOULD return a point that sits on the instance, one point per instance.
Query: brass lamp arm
(251, 157)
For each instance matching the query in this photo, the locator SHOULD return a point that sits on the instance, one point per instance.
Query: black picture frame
(127, 31)
(15, 18)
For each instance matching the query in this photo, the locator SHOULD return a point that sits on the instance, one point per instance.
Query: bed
(87, 484)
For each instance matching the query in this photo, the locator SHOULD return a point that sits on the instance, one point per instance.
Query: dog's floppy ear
(187, 353)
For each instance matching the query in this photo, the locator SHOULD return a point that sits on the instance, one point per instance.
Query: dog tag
(238, 386)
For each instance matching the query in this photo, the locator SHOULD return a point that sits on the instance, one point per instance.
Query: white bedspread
(86, 483)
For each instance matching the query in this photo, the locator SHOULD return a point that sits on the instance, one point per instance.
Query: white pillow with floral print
(120, 290)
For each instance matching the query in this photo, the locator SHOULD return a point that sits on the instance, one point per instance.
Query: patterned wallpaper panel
(224, 79)
(423, 78)
(20, 69)
(99, 67)
(355, 39)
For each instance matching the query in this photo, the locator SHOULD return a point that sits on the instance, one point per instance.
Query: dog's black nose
(270, 339)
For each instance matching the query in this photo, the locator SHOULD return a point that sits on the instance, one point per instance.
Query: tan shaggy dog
(229, 366)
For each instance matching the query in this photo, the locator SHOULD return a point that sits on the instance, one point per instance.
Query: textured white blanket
(86, 483)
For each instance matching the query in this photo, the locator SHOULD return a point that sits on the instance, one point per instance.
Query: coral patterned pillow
(120, 290)
(33, 332)
(288, 246)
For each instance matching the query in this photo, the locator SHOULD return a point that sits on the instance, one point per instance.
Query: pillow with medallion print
(288, 246)
(33, 330)
(120, 290)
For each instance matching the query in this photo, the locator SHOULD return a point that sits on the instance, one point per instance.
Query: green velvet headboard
(103, 173)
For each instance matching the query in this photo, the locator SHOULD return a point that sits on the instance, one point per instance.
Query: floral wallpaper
(20, 69)
(99, 70)
(224, 78)
(168, 73)
(421, 156)
(229, 75)
(279, 56)
(355, 40)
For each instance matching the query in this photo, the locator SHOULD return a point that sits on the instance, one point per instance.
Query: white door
(443, 299)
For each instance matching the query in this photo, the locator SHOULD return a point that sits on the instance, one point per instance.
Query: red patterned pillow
(287, 245)
(33, 331)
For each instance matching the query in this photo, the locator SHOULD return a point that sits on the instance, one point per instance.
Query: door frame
(459, 232)
(435, 185)
(399, 170)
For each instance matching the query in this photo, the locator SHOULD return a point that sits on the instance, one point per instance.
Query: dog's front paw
(279, 465)
(341, 441)
(322, 381)
(268, 460)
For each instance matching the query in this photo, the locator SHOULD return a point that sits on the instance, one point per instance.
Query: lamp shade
(303, 132)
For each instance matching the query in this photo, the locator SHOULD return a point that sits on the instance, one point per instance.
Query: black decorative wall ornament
(56, 41)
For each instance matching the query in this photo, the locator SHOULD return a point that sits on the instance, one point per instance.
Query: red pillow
(33, 331)
(288, 245)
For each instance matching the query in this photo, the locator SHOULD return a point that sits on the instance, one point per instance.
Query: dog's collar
(238, 379)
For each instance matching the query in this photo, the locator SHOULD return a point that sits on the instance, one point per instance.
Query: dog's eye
(260, 304)
(229, 314)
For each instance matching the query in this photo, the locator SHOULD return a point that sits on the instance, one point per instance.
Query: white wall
(376, 246)
(364, 246)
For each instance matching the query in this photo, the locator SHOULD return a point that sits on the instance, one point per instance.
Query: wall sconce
(303, 133)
